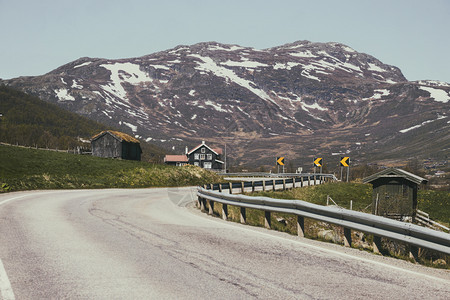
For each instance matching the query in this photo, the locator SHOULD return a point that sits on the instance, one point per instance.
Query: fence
(414, 235)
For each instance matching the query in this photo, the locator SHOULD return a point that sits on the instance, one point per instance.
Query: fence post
(300, 226)
(224, 211)
(243, 215)
(267, 219)
(211, 207)
(231, 188)
(347, 237)
(376, 244)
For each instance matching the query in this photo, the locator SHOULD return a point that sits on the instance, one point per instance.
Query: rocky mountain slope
(298, 100)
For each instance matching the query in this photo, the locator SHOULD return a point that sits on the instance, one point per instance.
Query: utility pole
(225, 158)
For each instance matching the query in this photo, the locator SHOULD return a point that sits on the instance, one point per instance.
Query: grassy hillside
(30, 121)
(27, 169)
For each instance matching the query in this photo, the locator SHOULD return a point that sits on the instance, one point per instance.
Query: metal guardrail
(351, 220)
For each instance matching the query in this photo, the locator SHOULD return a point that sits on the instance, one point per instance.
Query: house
(115, 144)
(203, 156)
(394, 193)
(176, 160)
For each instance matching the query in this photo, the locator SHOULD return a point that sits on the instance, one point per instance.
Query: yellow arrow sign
(318, 162)
(345, 161)
(280, 161)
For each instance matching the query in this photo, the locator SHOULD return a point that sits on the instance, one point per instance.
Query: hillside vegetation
(30, 169)
(30, 121)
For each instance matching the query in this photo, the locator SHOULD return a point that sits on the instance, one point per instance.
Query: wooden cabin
(394, 193)
(115, 144)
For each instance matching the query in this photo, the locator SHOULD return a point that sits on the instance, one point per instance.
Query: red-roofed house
(176, 160)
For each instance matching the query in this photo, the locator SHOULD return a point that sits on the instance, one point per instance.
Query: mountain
(298, 100)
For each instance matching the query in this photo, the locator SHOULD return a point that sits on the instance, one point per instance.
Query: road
(150, 243)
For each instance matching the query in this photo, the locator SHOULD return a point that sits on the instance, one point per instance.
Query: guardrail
(414, 235)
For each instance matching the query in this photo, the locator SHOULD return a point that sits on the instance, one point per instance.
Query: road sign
(318, 162)
(280, 161)
(345, 161)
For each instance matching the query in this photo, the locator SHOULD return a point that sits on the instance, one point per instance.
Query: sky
(39, 36)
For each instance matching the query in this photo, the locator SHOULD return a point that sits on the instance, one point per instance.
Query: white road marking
(5, 286)
(11, 199)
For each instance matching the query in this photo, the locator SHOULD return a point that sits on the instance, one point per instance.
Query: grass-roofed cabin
(394, 193)
(115, 144)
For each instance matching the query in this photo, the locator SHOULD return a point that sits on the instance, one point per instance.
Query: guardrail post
(376, 244)
(242, 187)
(202, 204)
(243, 215)
(413, 252)
(224, 211)
(309, 180)
(231, 188)
(264, 185)
(253, 186)
(211, 207)
(220, 187)
(284, 184)
(267, 219)
(211, 187)
(293, 182)
(273, 184)
(301, 181)
(300, 226)
(347, 237)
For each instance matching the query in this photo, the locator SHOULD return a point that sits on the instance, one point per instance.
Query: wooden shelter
(394, 193)
(115, 144)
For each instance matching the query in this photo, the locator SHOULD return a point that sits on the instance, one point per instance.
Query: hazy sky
(37, 36)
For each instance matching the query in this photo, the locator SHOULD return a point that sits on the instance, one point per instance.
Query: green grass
(30, 169)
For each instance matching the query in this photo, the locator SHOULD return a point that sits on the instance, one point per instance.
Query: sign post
(318, 162)
(345, 162)
(280, 162)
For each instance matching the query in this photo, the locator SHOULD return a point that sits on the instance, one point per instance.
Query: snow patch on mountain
(121, 73)
(63, 95)
(207, 64)
(245, 63)
(437, 94)
(422, 124)
(83, 64)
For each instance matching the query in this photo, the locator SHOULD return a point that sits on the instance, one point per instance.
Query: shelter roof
(394, 172)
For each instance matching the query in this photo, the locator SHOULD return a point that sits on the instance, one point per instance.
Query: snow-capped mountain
(298, 100)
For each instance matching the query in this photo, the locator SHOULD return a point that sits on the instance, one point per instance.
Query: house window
(209, 156)
(203, 150)
(196, 156)
(196, 163)
(202, 156)
(207, 165)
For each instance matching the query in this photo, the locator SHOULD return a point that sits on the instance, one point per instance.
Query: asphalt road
(147, 244)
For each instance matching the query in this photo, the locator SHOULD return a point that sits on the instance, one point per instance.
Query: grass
(30, 169)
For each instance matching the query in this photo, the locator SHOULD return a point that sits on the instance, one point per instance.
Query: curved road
(151, 243)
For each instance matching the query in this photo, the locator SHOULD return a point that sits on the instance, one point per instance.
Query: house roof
(394, 172)
(119, 135)
(175, 158)
(203, 144)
